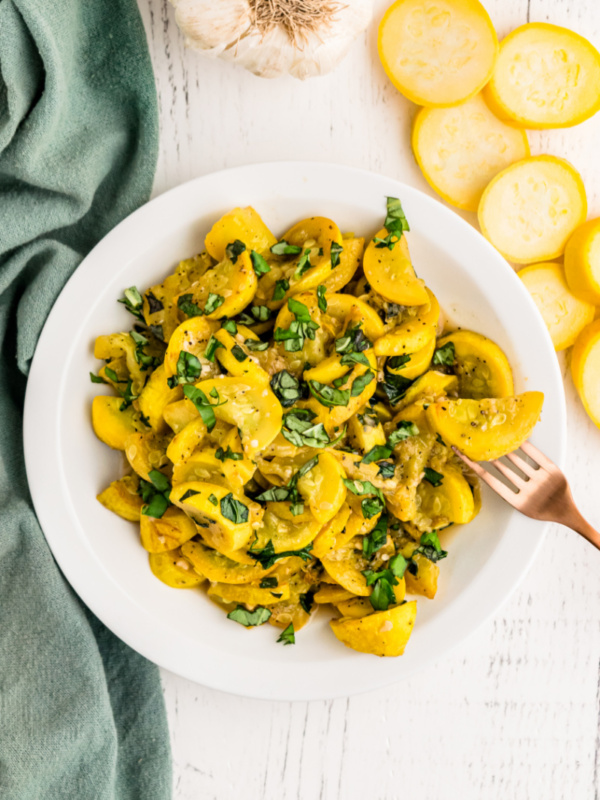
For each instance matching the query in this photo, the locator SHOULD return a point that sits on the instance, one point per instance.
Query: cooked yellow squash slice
(384, 633)
(486, 429)
(480, 365)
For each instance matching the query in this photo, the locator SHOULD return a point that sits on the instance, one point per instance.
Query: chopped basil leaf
(233, 510)
(97, 378)
(377, 453)
(430, 547)
(188, 494)
(267, 556)
(203, 405)
(132, 300)
(238, 353)
(257, 314)
(336, 249)
(350, 359)
(439, 439)
(303, 264)
(327, 396)
(214, 301)
(397, 362)
(383, 582)
(404, 430)
(396, 219)
(433, 477)
(276, 494)
(268, 583)
(258, 262)
(300, 329)
(256, 345)
(281, 288)
(286, 388)
(154, 304)
(229, 453)
(353, 341)
(371, 506)
(360, 384)
(395, 224)
(185, 303)
(288, 636)
(387, 470)
(230, 326)
(394, 386)
(306, 600)
(157, 330)
(212, 347)
(389, 241)
(189, 369)
(155, 494)
(445, 356)
(322, 300)
(128, 396)
(234, 250)
(282, 248)
(376, 538)
(112, 375)
(212, 499)
(250, 619)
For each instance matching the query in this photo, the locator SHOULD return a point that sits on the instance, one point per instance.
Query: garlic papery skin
(273, 37)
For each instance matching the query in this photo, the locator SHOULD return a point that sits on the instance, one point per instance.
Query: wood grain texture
(512, 713)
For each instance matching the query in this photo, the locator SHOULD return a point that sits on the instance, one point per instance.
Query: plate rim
(32, 425)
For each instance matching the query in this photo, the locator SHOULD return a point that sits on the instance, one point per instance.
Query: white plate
(67, 466)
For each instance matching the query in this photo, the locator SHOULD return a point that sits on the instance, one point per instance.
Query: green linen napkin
(81, 715)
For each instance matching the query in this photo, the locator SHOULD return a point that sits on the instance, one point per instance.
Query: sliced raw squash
(582, 262)
(546, 76)
(460, 149)
(564, 314)
(437, 54)
(585, 368)
(530, 209)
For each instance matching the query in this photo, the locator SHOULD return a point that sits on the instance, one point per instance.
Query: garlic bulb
(274, 37)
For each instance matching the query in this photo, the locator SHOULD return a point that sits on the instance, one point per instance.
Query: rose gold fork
(541, 492)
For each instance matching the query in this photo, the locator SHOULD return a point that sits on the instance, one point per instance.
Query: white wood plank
(513, 713)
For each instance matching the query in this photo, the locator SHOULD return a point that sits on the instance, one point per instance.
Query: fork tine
(500, 488)
(508, 473)
(535, 455)
(521, 464)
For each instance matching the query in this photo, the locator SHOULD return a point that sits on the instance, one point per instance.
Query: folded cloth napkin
(81, 715)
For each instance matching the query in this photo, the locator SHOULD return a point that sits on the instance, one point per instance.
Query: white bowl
(67, 466)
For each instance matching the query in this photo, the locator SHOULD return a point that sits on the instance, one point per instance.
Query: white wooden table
(514, 712)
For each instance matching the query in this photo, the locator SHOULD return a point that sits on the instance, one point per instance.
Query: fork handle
(573, 519)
